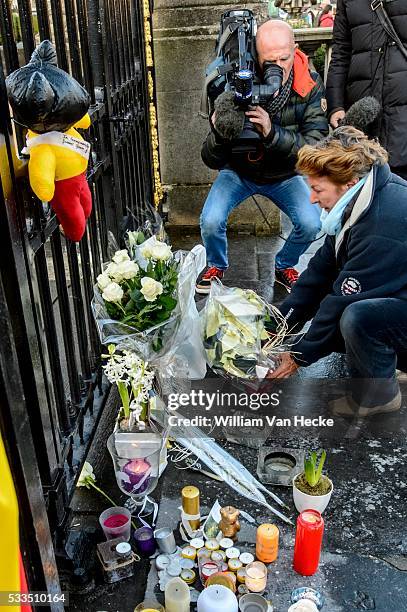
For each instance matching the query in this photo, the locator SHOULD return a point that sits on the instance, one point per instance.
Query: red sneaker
(204, 284)
(287, 277)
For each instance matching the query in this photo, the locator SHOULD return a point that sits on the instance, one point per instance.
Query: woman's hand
(286, 367)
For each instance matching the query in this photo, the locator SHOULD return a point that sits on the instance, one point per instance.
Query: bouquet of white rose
(147, 306)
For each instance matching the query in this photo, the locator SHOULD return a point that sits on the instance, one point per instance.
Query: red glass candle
(308, 542)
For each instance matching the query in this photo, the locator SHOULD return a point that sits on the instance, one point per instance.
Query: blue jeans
(292, 196)
(375, 336)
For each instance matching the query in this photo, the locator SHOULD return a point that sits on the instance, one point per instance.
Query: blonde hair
(346, 154)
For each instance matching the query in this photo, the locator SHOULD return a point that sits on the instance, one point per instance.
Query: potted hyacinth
(312, 490)
(135, 433)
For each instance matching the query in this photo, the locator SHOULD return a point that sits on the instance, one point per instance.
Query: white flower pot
(303, 501)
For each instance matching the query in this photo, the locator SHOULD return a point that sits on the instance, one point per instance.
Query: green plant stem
(108, 498)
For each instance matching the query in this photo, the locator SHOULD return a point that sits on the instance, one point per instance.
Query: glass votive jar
(116, 522)
(256, 577)
(144, 538)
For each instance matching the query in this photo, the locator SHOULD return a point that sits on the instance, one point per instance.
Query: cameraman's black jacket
(301, 121)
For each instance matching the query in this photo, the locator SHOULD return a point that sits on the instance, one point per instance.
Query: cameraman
(294, 116)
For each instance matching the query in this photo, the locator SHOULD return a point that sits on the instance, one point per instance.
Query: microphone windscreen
(229, 119)
(363, 114)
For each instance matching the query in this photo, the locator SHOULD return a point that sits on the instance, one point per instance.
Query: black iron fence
(47, 281)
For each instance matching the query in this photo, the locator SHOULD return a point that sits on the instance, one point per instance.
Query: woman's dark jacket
(365, 62)
(371, 262)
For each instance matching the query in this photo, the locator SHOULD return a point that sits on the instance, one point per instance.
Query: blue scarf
(331, 221)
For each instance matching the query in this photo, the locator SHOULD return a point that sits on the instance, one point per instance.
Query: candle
(177, 596)
(267, 543)
(137, 471)
(188, 576)
(241, 575)
(218, 556)
(165, 540)
(226, 543)
(116, 522)
(217, 597)
(308, 542)
(145, 541)
(189, 552)
(232, 553)
(234, 565)
(147, 606)
(190, 505)
(207, 569)
(246, 558)
(212, 544)
(253, 602)
(197, 543)
(226, 579)
(256, 577)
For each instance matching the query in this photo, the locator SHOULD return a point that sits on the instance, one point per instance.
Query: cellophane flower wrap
(147, 306)
(236, 324)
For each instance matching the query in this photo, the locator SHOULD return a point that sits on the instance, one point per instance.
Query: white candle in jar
(256, 577)
(177, 596)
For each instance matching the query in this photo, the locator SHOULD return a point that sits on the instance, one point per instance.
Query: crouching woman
(355, 287)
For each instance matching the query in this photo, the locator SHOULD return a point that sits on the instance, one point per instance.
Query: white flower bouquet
(240, 331)
(147, 306)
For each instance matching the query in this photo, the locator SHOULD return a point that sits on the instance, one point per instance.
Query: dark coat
(301, 121)
(371, 262)
(365, 62)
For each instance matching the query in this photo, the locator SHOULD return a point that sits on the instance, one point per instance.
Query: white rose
(86, 475)
(126, 270)
(145, 250)
(113, 293)
(103, 280)
(150, 288)
(160, 251)
(111, 269)
(121, 256)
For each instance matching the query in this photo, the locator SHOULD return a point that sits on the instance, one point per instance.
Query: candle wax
(116, 520)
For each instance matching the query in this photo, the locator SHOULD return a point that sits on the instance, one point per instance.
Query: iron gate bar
(59, 34)
(27, 33)
(6, 28)
(84, 42)
(73, 41)
(43, 19)
(79, 309)
(66, 321)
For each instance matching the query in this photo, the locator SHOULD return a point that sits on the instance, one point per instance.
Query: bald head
(275, 43)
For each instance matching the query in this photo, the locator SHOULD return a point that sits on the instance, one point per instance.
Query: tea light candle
(303, 606)
(187, 564)
(197, 543)
(188, 576)
(162, 561)
(232, 553)
(267, 543)
(218, 556)
(226, 579)
(212, 544)
(256, 577)
(234, 565)
(203, 554)
(241, 575)
(217, 597)
(145, 541)
(226, 543)
(174, 568)
(177, 596)
(246, 558)
(189, 552)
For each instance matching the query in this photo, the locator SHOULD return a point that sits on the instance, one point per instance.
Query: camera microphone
(230, 118)
(363, 115)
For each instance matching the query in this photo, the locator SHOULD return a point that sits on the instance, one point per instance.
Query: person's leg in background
(292, 196)
(375, 333)
(227, 192)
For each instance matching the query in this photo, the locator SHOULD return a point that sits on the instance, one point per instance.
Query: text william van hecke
(235, 420)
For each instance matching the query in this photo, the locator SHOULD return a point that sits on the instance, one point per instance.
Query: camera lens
(273, 75)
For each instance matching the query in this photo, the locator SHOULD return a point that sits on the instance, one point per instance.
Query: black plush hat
(44, 97)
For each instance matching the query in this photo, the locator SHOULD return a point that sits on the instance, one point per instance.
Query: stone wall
(184, 34)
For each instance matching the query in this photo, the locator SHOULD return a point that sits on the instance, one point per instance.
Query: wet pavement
(364, 560)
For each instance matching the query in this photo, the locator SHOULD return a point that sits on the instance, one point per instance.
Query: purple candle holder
(138, 471)
(145, 541)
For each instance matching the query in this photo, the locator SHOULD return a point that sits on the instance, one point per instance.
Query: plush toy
(51, 104)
